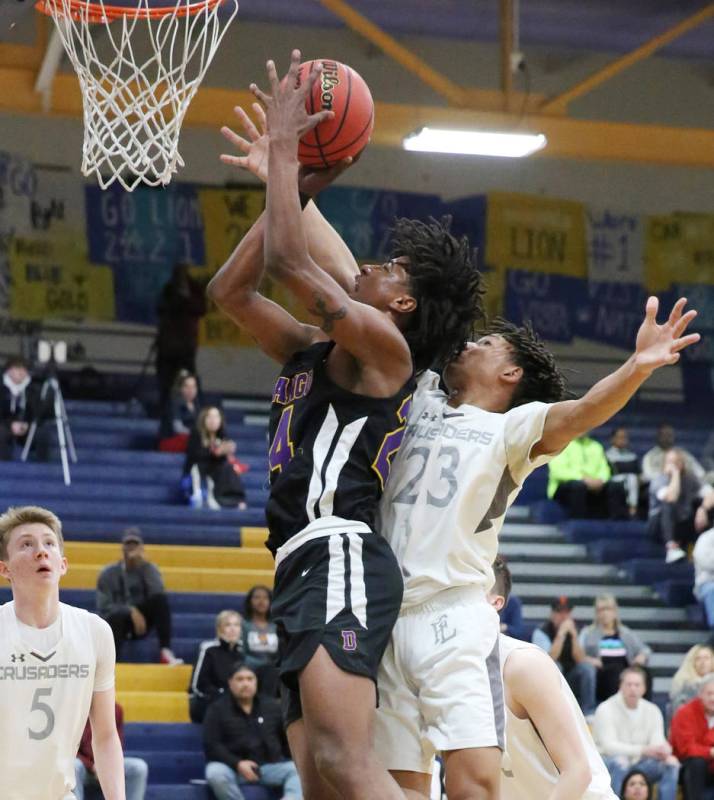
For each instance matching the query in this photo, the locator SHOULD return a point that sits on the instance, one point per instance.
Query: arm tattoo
(328, 317)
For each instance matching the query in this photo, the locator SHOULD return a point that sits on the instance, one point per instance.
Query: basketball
(342, 90)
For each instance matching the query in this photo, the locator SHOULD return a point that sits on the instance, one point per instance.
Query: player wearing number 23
(56, 669)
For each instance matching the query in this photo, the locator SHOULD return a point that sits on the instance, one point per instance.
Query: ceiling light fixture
(475, 143)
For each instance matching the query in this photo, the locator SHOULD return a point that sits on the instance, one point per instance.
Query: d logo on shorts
(349, 640)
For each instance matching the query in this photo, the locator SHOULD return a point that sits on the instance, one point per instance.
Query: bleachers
(210, 558)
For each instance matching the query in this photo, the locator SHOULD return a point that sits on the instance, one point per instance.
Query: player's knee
(338, 764)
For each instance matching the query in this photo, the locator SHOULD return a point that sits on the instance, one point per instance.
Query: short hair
(248, 607)
(503, 580)
(706, 680)
(241, 666)
(16, 361)
(634, 669)
(27, 515)
(223, 616)
(446, 285)
(542, 379)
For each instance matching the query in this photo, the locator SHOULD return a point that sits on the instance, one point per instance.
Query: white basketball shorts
(440, 684)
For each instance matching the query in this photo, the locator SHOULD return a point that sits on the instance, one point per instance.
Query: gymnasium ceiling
(610, 38)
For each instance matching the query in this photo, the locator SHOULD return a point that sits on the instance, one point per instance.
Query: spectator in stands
(20, 405)
(512, 618)
(214, 665)
(132, 599)
(708, 458)
(653, 460)
(636, 786)
(629, 733)
(698, 663)
(181, 305)
(611, 646)
(245, 743)
(559, 638)
(703, 556)
(579, 479)
(182, 415)
(624, 465)
(211, 467)
(676, 497)
(260, 639)
(136, 770)
(692, 737)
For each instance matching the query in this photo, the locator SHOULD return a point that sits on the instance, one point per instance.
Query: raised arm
(657, 346)
(546, 705)
(324, 244)
(234, 289)
(369, 335)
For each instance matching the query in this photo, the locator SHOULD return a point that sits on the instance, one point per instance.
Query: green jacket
(582, 457)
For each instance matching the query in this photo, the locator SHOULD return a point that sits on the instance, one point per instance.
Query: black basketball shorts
(342, 591)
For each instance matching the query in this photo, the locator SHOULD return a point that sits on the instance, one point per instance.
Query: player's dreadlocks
(542, 380)
(447, 286)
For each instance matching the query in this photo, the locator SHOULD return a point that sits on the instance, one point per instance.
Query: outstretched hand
(285, 110)
(660, 345)
(254, 145)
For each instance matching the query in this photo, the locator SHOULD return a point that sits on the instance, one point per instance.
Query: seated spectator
(182, 415)
(20, 405)
(260, 639)
(676, 495)
(636, 786)
(132, 599)
(512, 618)
(692, 737)
(244, 741)
(698, 663)
(624, 465)
(703, 556)
(611, 646)
(653, 460)
(707, 459)
(214, 665)
(211, 469)
(559, 638)
(579, 479)
(629, 733)
(136, 770)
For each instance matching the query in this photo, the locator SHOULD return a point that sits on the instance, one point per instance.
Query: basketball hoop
(138, 79)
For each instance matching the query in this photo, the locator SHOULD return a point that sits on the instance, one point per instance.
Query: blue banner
(141, 235)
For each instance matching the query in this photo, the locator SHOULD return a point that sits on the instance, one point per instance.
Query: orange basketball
(340, 89)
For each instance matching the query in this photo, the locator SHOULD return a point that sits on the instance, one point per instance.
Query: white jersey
(45, 695)
(456, 474)
(528, 771)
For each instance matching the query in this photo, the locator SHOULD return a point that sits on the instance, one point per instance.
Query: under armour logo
(15, 658)
(440, 626)
(349, 640)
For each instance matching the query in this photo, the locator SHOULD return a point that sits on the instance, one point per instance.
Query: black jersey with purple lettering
(330, 450)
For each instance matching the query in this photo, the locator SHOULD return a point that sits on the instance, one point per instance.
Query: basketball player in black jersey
(338, 416)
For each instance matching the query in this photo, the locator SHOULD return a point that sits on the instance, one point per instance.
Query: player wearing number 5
(56, 668)
(338, 416)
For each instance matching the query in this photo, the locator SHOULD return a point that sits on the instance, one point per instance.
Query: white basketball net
(134, 105)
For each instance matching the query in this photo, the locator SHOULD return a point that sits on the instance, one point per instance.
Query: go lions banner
(18, 181)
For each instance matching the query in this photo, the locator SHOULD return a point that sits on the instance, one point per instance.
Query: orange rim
(99, 12)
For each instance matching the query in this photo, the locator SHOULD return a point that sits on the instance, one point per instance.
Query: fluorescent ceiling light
(475, 143)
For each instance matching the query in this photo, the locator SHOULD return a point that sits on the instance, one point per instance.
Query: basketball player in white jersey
(550, 753)
(56, 668)
(463, 461)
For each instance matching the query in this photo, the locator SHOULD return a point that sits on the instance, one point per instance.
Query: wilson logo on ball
(341, 90)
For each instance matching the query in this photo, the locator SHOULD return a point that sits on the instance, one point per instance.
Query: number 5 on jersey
(281, 448)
